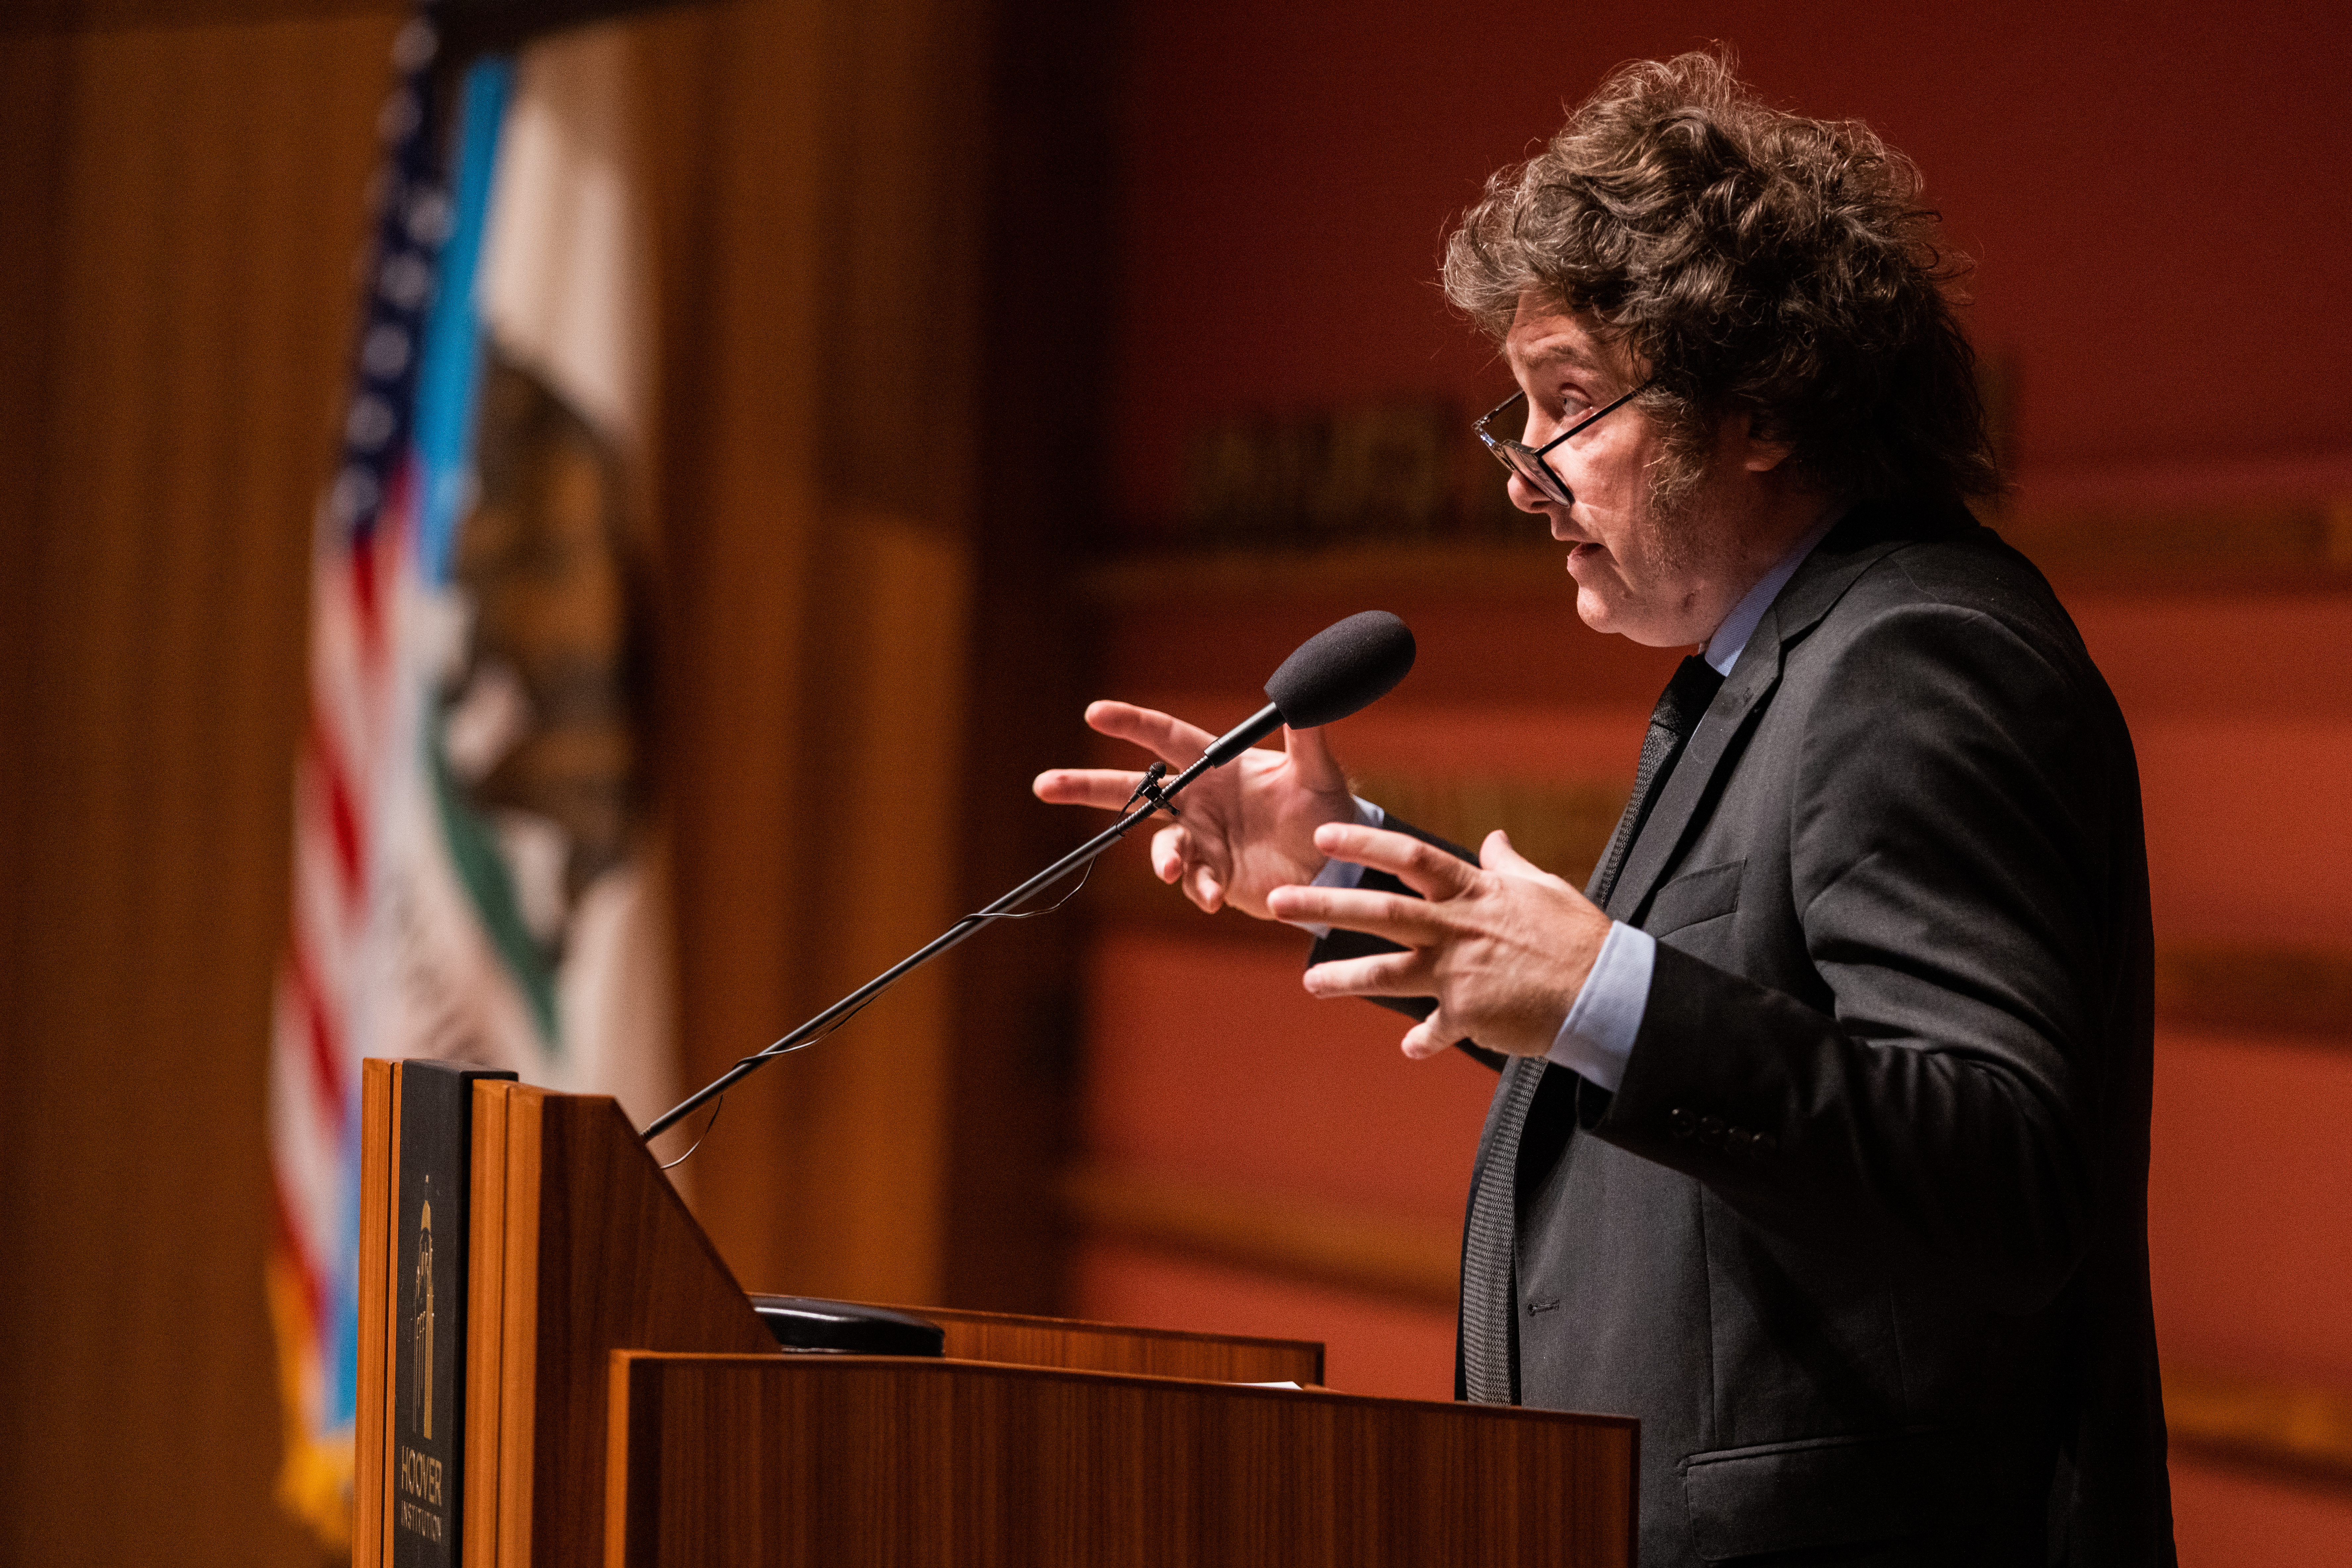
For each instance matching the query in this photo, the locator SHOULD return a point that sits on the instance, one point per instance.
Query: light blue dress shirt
(1597, 1036)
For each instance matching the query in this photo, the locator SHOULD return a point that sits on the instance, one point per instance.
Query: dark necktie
(1489, 1374)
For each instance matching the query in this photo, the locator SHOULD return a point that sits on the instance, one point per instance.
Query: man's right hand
(1247, 827)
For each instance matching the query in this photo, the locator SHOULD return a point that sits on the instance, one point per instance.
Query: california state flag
(478, 873)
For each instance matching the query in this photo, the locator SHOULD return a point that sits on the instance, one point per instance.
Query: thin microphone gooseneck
(1345, 667)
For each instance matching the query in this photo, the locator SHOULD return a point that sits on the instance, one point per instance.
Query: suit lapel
(1661, 832)
(1826, 574)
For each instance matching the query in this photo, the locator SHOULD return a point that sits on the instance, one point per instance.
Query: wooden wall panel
(812, 504)
(182, 210)
(197, 194)
(36, 100)
(730, 97)
(1054, 96)
(880, 271)
(874, 1100)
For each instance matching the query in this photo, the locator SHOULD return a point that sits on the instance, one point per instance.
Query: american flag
(473, 873)
(366, 521)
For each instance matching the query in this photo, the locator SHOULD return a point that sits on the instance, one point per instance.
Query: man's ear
(1759, 454)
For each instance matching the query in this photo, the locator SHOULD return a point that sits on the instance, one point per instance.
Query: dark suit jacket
(1862, 1236)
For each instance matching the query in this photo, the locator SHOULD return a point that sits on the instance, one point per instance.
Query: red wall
(2155, 197)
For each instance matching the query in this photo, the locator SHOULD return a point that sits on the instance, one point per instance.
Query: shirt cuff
(1345, 873)
(1597, 1036)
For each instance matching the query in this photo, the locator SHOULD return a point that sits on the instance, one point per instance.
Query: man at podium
(1820, 1141)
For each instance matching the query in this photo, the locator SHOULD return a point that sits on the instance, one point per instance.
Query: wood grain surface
(2252, 988)
(1069, 1343)
(2287, 1431)
(598, 1254)
(852, 1460)
(486, 1316)
(371, 1462)
(591, 1434)
(179, 213)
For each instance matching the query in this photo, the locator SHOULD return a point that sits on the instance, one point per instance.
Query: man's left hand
(1504, 945)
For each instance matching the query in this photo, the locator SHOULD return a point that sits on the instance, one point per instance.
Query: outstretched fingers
(1108, 788)
(1413, 922)
(1390, 974)
(1425, 869)
(1378, 974)
(1171, 739)
(1111, 789)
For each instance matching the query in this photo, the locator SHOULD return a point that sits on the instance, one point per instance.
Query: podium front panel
(782, 1462)
(623, 1402)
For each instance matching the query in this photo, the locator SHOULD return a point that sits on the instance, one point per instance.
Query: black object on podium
(810, 1324)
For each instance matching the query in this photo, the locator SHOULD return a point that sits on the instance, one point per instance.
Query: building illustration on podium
(420, 1398)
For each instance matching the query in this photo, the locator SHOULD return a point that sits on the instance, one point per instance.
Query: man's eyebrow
(1556, 351)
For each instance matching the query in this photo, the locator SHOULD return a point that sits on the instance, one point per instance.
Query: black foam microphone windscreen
(1347, 665)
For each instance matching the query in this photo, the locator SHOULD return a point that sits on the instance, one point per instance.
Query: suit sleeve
(1955, 846)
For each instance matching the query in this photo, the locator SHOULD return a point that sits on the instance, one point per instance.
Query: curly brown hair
(1753, 261)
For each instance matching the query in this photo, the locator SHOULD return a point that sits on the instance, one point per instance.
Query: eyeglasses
(1526, 461)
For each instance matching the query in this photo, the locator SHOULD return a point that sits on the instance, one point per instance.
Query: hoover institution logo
(423, 1305)
(420, 1401)
(422, 1510)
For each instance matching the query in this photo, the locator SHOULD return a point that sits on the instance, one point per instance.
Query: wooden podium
(622, 1404)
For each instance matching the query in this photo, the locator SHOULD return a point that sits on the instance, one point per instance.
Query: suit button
(1683, 1123)
(1710, 1132)
(1762, 1143)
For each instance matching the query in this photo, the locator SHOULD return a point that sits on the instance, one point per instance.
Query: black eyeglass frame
(1526, 461)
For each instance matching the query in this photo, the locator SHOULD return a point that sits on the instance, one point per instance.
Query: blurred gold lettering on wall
(1387, 469)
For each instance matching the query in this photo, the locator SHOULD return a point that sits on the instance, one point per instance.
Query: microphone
(1344, 667)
